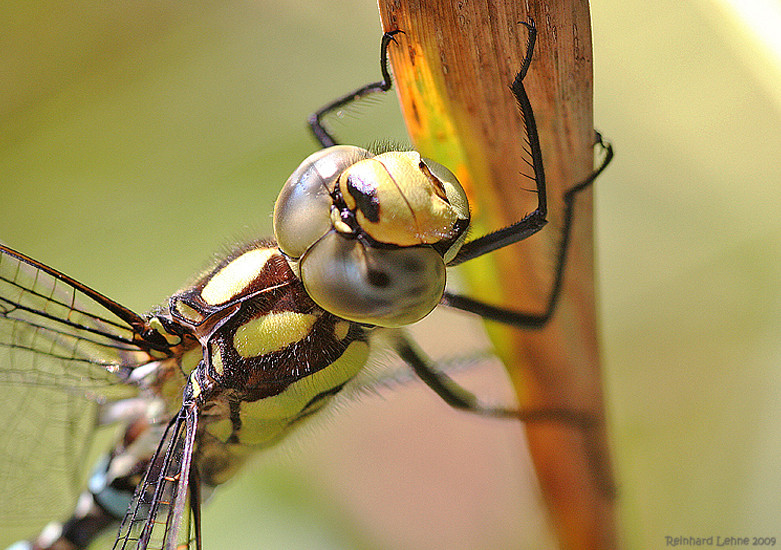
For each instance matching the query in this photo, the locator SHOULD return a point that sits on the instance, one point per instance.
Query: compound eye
(387, 287)
(302, 213)
(456, 198)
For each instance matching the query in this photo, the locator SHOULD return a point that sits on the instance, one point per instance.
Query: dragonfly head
(370, 235)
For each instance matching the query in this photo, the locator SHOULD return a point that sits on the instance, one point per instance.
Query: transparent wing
(64, 349)
(159, 515)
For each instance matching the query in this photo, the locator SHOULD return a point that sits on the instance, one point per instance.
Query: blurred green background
(137, 139)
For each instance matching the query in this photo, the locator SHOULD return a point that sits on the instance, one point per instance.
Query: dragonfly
(257, 345)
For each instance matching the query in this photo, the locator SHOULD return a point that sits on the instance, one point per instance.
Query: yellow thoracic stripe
(232, 279)
(188, 312)
(272, 332)
(264, 420)
(216, 359)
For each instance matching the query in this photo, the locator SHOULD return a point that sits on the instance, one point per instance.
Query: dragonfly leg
(532, 222)
(460, 398)
(535, 320)
(195, 506)
(324, 136)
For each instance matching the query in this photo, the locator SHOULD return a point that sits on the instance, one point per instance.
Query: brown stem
(452, 68)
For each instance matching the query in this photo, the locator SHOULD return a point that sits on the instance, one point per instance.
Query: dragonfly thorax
(259, 329)
(370, 236)
(270, 355)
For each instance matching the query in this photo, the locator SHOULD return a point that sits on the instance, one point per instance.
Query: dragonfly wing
(64, 349)
(160, 517)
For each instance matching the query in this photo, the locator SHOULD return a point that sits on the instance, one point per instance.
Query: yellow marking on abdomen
(272, 332)
(236, 276)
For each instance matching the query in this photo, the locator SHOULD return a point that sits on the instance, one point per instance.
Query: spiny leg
(535, 220)
(532, 222)
(325, 137)
(533, 320)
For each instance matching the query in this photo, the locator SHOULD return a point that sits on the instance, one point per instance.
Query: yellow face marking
(341, 328)
(339, 225)
(217, 358)
(189, 313)
(236, 276)
(267, 419)
(415, 193)
(157, 325)
(412, 206)
(271, 332)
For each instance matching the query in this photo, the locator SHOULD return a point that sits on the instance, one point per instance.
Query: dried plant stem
(452, 69)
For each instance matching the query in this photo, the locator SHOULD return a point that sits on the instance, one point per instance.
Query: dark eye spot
(379, 279)
(365, 195)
